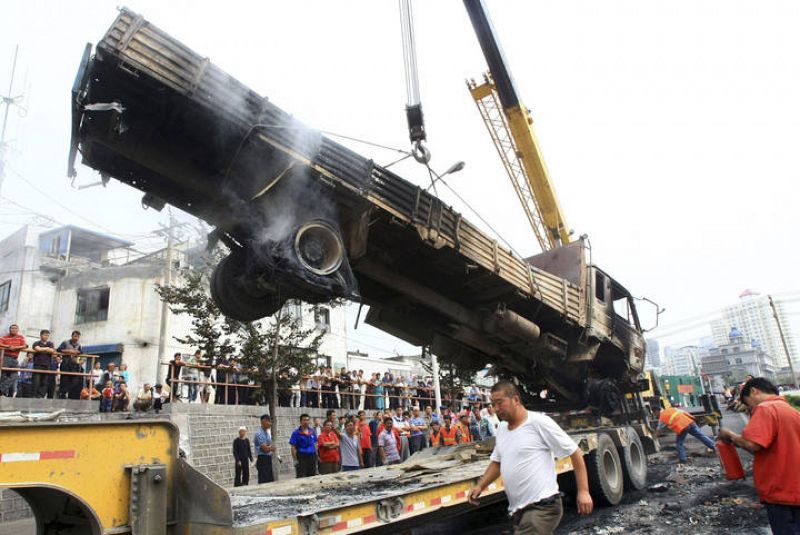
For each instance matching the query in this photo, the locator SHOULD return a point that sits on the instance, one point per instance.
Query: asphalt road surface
(692, 498)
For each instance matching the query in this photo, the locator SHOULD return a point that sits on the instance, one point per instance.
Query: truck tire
(634, 462)
(606, 481)
(232, 298)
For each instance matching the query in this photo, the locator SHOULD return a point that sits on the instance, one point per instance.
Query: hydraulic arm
(511, 127)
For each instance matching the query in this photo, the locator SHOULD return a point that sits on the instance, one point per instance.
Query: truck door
(625, 325)
(601, 298)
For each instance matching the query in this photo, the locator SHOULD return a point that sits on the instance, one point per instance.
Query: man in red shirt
(366, 439)
(329, 457)
(11, 343)
(773, 437)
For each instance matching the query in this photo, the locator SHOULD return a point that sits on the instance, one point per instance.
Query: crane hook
(421, 153)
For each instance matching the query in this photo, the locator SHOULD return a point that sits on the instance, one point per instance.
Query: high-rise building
(653, 354)
(752, 316)
(683, 360)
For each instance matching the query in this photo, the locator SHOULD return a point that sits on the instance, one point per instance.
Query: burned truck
(306, 218)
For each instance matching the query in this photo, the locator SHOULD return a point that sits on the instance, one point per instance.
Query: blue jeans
(784, 519)
(350, 468)
(696, 433)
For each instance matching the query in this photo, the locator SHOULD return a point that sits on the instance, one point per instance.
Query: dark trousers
(40, 382)
(784, 519)
(306, 465)
(538, 519)
(416, 443)
(264, 468)
(51, 386)
(369, 462)
(329, 398)
(242, 474)
(8, 380)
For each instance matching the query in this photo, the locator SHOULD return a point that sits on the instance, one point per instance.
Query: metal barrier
(231, 395)
(87, 375)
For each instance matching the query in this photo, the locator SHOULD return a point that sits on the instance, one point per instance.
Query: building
(753, 317)
(653, 354)
(682, 360)
(740, 356)
(72, 278)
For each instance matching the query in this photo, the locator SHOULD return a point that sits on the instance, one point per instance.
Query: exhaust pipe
(319, 248)
(509, 324)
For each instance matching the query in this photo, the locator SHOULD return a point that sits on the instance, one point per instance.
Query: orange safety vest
(675, 419)
(448, 439)
(436, 438)
(465, 436)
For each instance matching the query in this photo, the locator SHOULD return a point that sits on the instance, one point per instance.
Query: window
(599, 286)
(322, 319)
(92, 305)
(55, 246)
(295, 309)
(5, 294)
(621, 308)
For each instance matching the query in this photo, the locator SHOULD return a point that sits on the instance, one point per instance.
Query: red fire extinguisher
(729, 457)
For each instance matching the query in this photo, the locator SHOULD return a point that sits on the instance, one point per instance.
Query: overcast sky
(670, 128)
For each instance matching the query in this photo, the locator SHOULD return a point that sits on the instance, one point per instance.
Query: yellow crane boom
(510, 126)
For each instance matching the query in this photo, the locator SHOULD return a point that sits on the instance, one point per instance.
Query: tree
(211, 331)
(275, 351)
(277, 355)
(454, 375)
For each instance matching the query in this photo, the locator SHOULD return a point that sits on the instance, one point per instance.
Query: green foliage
(217, 335)
(794, 400)
(211, 332)
(297, 349)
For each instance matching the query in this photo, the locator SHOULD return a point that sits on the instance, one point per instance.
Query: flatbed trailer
(146, 488)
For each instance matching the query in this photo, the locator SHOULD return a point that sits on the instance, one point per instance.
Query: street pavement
(694, 498)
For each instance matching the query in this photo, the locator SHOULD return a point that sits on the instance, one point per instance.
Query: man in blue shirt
(419, 427)
(304, 448)
(264, 448)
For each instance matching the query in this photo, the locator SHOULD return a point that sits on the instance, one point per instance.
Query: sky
(670, 128)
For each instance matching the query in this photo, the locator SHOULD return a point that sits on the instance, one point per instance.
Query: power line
(477, 214)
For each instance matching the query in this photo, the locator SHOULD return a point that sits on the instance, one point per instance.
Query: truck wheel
(605, 472)
(233, 298)
(634, 462)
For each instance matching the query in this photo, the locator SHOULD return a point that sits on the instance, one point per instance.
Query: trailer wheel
(606, 481)
(233, 298)
(634, 462)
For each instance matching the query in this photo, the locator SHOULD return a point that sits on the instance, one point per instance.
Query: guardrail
(11, 370)
(326, 398)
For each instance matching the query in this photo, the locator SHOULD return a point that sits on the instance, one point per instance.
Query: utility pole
(437, 392)
(783, 340)
(162, 335)
(8, 100)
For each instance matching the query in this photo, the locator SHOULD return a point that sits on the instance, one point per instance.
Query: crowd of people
(355, 440)
(226, 381)
(56, 372)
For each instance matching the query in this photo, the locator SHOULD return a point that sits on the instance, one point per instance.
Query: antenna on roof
(9, 100)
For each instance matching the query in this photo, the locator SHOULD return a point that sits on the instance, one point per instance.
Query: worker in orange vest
(682, 423)
(436, 434)
(463, 427)
(449, 433)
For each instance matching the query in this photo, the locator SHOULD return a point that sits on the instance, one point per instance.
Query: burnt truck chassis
(307, 218)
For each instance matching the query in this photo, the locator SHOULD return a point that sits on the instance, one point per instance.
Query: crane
(510, 126)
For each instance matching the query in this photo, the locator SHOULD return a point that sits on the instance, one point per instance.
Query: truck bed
(140, 49)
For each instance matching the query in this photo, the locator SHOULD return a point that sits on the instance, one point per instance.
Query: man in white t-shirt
(528, 443)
